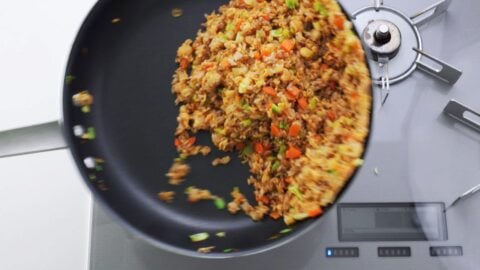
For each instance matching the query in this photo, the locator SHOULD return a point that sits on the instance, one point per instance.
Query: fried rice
(286, 84)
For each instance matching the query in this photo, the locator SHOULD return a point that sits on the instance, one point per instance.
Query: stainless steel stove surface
(420, 160)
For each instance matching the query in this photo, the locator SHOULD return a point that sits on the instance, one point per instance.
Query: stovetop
(417, 154)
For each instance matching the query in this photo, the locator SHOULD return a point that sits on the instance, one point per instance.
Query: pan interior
(124, 55)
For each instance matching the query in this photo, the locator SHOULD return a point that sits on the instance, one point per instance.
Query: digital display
(391, 222)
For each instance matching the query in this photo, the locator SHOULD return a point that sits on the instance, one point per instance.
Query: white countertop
(45, 209)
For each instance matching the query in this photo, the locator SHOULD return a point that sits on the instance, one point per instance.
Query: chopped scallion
(276, 165)
(277, 32)
(246, 107)
(199, 237)
(219, 203)
(282, 149)
(221, 234)
(230, 27)
(300, 216)
(247, 150)
(243, 86)
(320, 8)
(358, 162)
(291, 4)
(276, 109)
(69, 79)
(294, 189)
(332, 172)
(312, 103)
(220, 131)
(91, 133)
(247, 123)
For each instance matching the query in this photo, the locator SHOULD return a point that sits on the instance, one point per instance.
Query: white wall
(44, 206)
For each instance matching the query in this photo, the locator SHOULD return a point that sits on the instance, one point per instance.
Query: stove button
(342, 252)
(394, 252)
(446, 251)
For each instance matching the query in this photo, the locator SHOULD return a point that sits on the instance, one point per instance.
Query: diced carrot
(266, 51)
(269, 91)
(355, 95)
(207, 65)
(177, 142)
(317, 137)
(264, 199)
(225, 64)
(259, 148)
(288, 45)
(290, 96)
(293, 152)
(238, 26)
(294, 130)
(275, 215)
(191, 141)
(315, 212)
(257, 56)
(356, 46)
(302, 103)
(339, 21)
(184, 63)
(239, 146)
(266, 17)
(288, 180)
(332, 116)
(275, 130)
(292, 92)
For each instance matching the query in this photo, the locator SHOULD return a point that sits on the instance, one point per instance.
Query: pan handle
(33, 139)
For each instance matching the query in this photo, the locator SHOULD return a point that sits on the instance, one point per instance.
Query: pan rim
(65, 121)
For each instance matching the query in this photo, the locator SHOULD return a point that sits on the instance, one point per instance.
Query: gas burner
(394, 44)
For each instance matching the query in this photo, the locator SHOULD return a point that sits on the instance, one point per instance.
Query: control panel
(382, 223)
(392, 252)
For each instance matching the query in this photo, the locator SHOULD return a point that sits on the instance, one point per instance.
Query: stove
(413, 204)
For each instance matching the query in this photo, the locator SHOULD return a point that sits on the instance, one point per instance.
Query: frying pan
(124, 56)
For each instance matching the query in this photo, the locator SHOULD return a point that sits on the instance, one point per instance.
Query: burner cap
(383, 38)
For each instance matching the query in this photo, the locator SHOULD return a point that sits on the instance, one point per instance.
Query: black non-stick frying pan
(124, 56)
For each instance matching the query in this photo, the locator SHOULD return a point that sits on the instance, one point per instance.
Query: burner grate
(394, 44)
